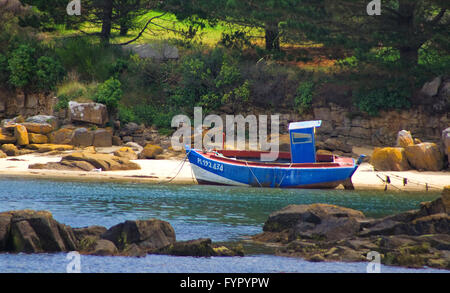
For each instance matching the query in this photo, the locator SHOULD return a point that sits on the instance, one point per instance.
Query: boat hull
(223, 172)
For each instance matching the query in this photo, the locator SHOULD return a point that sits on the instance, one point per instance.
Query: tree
(404, 25)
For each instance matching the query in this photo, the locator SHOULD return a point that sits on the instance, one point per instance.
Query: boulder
(103, 247)
(425, 156)
(389, 159)
(198, 248)
(126, 152)
(105, 162)
(404, 139)
(2, 155)
(48, 147)
(77, 165)
(102, 138)
(91, 231)
(82, 137)
(61, 136)
(43, 120)
(6, 136)
(21, 134)
(116, 140)
(10, 150)
(446, 142)
(37, 138)
(39, 128)
(5, 227)
(315, 221)
(136, 147)
(37, 231)
(430, 89)
(151, 152)
(149, 235)
(88, 112)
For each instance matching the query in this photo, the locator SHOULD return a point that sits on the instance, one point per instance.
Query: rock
(48, 147)
(104, 247)
(404, 139)
(76, 165)
(88, 112)
(116, 140)
(40, 128)
(334, 144)
(126, 152)
(10, 150)
(150, 152)
(425, 156)
(61, 136)
(135, 147)
(133, 251)
(199, 248)
(150, 234)
(102, 138)
(317, 220)
(21, 134)
(37, 138)
(446, 142)
(389, 159)
(91, 231)
(5, 227)
(82, 137)
(105, 162)
(430, 89)
(43, 120)
(37, 231)
(2, 155)
(6, 137)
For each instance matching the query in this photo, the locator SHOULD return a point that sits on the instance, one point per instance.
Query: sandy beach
(164, 171)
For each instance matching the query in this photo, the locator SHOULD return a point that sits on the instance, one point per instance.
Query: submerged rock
(320, 232)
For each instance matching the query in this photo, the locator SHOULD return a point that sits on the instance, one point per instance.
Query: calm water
(220, 213)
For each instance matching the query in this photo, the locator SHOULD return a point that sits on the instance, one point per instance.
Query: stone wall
(377, 131)
(19, 103)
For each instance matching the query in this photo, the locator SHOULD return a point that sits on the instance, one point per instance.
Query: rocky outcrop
(21, 134)
(148, 235)
(389, 159)
(61, 136)
(151, 152)
(44, 148)
(39, 128)
(35, 138)
(328, 233)
(10, 150)
(37, 232)
(404, 139)
(82, 137)
(126, 152)
(88, 113)
(33, 232)
(425, 157)
(102, 138)
(6, 136)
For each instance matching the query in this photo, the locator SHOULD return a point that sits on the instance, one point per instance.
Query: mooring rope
(179, 170)
(253, 174)
(405, 181)
(284, 176)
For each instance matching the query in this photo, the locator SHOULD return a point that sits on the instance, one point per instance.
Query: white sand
(162, 170)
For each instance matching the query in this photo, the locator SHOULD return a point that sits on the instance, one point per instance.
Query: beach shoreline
(168, 171)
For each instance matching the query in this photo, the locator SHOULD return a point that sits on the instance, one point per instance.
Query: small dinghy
(299, 168)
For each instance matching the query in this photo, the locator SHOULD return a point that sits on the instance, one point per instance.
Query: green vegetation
(235, 56)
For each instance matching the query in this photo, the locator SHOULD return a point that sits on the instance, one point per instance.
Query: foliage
(304, 96)
(109, 93)
(392, 95)
(21, 65)
(48, 73)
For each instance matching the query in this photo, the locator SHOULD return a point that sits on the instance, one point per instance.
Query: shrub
(49, 72)
(4, 71)
(126, 114)
(22, 66)
(109, 93)
(303, 97)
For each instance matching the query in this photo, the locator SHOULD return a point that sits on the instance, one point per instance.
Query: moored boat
(299, 168)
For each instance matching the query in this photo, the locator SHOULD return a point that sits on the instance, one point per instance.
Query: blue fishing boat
(299, 168)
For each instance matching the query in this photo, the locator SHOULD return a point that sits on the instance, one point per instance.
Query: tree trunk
(272, 37)
(106, 21)
(409, 56)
